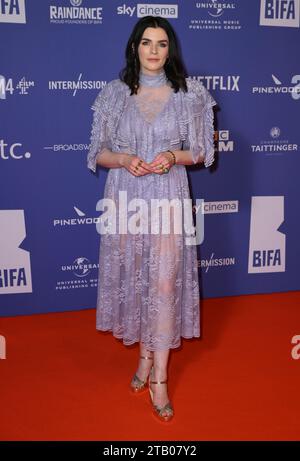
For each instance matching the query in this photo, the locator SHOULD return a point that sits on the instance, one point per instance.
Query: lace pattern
(148, 287)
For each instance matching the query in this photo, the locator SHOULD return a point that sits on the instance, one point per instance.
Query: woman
(147, 126)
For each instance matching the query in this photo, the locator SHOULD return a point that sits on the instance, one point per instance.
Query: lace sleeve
(200, 125)
(99, 132)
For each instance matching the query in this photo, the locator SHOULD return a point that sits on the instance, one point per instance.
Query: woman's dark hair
(174, 67)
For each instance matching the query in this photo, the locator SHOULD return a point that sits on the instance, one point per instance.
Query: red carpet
(63, 380)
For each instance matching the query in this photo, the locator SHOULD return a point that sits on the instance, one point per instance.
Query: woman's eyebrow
(151, 40)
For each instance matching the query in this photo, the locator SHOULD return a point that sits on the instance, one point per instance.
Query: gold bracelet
(173, 155)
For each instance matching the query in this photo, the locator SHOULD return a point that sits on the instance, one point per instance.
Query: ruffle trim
(108, 107)
(196, 121)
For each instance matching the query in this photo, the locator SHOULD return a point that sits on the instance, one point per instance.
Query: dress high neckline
(155, 80)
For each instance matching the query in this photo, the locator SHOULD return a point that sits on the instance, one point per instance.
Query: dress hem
(149, 348)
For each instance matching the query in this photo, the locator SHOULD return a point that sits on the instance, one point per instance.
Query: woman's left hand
(162, 161)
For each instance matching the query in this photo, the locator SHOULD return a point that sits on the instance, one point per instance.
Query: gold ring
(166, 170)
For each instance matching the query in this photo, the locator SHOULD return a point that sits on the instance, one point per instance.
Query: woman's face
(153, 50)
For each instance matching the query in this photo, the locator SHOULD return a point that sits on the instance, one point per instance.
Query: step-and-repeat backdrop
(57, 55)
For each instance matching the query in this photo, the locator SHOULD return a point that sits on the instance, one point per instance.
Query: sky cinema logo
(280, 13)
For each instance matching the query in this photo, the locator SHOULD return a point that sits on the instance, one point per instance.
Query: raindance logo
(279, 88)
(280, 13)
(275, 146)
(213, 12)
(75, 14)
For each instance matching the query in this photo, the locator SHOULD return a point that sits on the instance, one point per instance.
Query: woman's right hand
(135, 165)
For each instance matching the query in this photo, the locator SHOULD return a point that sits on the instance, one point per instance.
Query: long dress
(148, 288)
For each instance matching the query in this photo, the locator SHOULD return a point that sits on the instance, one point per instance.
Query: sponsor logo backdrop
(57, 55)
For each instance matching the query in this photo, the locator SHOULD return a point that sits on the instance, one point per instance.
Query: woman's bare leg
(160, 391)
(144, 365)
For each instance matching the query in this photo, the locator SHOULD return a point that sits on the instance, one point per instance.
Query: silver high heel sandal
(166, 412)
(137, 385)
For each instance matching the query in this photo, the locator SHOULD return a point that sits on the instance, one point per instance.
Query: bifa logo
(282, 13)
(15, 270)
(224, 143)
(266, 243)
(295, 352)
(12, 11)
(2, 347)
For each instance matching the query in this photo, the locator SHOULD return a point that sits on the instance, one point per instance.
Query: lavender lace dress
(148, 283)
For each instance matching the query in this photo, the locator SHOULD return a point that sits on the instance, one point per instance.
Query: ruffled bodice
(181, 120)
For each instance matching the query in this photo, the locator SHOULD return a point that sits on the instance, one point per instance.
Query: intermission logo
(12, 11)
(219, 82)
(72, 85)
(146, 9)
(15, 269)
(216, 15)
(75, 13)
(266, 243)
(279, 88)
(79, 274)
(280, 13)
(215, 262)
(7, 86)
(14, 151)
(275, 145)
(80, 220)
(224, 143)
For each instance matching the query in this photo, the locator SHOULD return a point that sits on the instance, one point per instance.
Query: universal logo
(146, 9)
(280, 13)
(274, 146)
(81, 268)
(12, 11)
(279, 88)
(212, 13)
(7, 86)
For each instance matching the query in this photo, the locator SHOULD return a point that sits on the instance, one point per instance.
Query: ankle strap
(159, 382)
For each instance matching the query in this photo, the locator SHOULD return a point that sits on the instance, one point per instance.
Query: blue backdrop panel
(57, 55)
